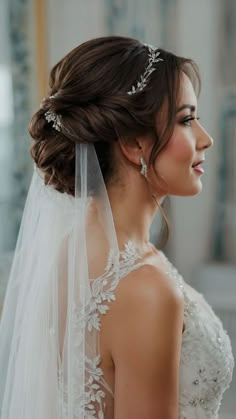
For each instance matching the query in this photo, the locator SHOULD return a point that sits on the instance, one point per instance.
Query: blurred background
(35, 34)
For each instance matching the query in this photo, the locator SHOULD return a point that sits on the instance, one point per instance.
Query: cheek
(179, 149)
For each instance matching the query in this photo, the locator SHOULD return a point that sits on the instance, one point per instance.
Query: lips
(198, 163)
(197, 167)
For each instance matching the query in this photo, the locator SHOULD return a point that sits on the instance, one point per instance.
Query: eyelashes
(188, 121)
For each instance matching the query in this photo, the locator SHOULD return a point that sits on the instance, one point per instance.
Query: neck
(133, 207)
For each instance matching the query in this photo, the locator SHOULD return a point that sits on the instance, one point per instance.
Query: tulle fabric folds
(49, 328)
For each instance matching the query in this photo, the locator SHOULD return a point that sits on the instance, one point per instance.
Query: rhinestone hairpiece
(153, 57)
(53, 117)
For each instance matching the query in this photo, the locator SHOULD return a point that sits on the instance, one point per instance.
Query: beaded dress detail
(206, 363)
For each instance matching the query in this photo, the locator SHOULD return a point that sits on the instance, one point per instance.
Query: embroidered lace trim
(103, 290)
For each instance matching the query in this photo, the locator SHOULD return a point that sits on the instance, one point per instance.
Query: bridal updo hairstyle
(90, 85)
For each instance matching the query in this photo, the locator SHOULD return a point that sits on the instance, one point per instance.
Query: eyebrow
(186, 106)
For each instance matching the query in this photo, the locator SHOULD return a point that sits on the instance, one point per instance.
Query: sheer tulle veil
(50, 321)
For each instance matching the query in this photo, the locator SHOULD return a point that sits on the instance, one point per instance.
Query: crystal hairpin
(153, 57)
(53, 117)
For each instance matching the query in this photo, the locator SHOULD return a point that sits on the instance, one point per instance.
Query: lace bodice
(206, 363)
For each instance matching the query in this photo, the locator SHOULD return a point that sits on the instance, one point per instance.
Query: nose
(204, 140)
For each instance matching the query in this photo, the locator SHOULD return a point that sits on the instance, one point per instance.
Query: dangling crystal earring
(144, 167)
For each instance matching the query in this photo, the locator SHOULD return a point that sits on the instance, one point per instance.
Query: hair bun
(52, 152)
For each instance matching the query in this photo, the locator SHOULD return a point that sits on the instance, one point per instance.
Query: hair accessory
(153, 58)
(144, 167)
(53, 117)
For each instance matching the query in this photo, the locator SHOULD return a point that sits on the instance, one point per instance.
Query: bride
(97, 322)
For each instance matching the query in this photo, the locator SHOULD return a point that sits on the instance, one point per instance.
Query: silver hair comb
(153, 57)
(53, 117)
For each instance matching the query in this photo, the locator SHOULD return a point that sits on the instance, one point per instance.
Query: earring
(144, 167)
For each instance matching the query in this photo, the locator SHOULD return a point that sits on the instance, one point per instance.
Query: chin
(191, 191)
(195, 190)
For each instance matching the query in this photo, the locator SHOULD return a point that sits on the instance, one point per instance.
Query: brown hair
(90, 85)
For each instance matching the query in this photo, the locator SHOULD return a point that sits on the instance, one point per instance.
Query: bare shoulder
(149, 285)
(146, 295)
(144, 328)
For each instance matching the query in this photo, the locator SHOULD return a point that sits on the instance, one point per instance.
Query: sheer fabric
(50, 323)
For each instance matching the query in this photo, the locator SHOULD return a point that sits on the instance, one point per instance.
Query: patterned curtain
(16, 62)
(152, 22)
(224, 238)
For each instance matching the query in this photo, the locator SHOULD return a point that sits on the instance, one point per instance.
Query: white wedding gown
(206, 363)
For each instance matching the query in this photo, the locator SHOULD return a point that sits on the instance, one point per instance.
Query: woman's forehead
(186, 93)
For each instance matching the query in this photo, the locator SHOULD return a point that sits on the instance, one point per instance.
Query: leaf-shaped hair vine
(153, 57)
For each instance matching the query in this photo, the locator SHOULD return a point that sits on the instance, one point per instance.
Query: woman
(97, 323)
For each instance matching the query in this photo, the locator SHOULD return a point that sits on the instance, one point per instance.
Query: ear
(131, 149)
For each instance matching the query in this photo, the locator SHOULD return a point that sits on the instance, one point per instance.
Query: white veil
(49, 357)
(66, 266)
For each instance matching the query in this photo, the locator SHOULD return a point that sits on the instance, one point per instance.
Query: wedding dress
(206, 363)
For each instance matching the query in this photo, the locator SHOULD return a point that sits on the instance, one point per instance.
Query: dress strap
(173, 273)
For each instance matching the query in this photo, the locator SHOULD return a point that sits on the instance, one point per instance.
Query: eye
(187, 121)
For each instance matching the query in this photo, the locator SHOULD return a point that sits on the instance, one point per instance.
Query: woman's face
(187, 146)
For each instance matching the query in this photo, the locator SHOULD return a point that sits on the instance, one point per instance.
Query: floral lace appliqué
(102, 292)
